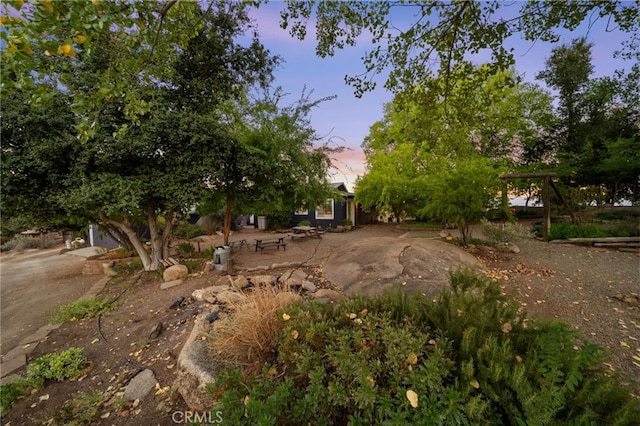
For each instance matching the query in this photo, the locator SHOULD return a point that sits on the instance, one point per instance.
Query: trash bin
(262, 222)
(220, 257)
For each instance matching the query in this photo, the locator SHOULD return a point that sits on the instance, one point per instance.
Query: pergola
(547, 183)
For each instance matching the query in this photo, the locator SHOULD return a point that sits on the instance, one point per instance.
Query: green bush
(185, 249)
(129, 266)
(564, 230)
(59, 366)
(83, 308)
(10, 392)
(188, 231)
(468, 357)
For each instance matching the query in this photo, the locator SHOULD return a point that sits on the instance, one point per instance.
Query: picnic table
(304, 231)
(270, 242)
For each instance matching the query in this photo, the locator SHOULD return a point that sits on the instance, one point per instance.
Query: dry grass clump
(247, 338)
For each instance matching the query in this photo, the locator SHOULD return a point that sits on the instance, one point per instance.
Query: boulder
(195, 369)
(140, 385)
(240, 282)
(263, 280)
(175, 272)
(332, 295)
(309, 286)
(204, 295)
(230, 297)
(170, 284)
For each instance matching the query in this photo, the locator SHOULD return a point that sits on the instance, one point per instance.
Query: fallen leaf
(105, 415)
(294, 334)
(413, 398)
(506, 327)
(412, 358)
(624, 344)
(474, 383)
(44, 397)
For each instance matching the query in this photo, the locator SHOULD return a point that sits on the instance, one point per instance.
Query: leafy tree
(276, 163)
(442, 34)
(462, 192)
(487, 114)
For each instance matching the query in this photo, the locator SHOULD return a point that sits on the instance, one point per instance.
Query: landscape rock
(240, 282)
(170, 284)
(218, 288)
(513, 248)
(230, 297)
(309, 286)
(195, 369)
(140, 385)
(175, 272)
(204, 295)
(263, 280)
(332, 295)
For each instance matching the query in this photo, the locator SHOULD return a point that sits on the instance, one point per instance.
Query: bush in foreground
(467, 358)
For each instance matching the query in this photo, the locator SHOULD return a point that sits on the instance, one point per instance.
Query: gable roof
(341, 187)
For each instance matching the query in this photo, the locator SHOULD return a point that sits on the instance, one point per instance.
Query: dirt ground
(582, 286)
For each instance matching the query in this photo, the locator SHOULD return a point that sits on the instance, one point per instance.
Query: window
(325, 211)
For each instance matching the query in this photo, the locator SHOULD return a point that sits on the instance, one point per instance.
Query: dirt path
(33, 284)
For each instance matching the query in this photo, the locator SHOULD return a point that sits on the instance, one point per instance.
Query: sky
(346, 120)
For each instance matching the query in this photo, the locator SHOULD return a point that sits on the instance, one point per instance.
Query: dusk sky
(346, 119)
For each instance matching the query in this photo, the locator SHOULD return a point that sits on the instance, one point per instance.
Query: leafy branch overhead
(441, 35)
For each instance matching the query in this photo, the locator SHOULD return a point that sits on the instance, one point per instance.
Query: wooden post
(505, 200)
(546, 207)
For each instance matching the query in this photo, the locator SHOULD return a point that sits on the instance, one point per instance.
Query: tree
(276, 163)
(443, 34)
(462, 192)
(138, 164)
(487, 114)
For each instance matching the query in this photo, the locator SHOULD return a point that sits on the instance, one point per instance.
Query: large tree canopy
(443, 34)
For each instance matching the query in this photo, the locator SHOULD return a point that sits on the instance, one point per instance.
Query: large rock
(196, 369)
(230, 297)
(263, 280)
(369, 266)
(175, 272)
(140, 385)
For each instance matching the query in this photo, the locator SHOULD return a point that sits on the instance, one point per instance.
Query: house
(333, 212)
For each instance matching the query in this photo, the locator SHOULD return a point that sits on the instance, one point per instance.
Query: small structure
(331, 213)
(547, 183)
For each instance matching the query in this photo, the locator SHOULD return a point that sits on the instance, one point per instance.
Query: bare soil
(579, 285)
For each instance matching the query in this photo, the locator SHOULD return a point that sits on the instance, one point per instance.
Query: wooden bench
(294, 236)
(276, 242)
(240, 243)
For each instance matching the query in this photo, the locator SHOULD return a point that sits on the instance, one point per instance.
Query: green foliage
(83, 308)
(304, 223)
(11, 391)
(185, 249)
(59, 366)
(20, 243)
(564, 230)
(469, 356)
(188, 231)
(462, 193)
(82, 409)
(129, 266)
(409, 54)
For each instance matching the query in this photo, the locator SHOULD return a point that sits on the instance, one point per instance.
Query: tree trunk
(167, 232)
(154, 236)
(227, 220)
(133, 238)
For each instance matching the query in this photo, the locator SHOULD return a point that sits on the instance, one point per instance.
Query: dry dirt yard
(583, 286)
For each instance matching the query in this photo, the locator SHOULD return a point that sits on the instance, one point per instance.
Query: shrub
(59, 366)
(248, 338)
(20, 243)
(304, 223)
(564, 230)
(468, 357)
(500, 233)
(83, 308)
(188, 231)
(129, 266)
(10, 392)
(185, 249)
